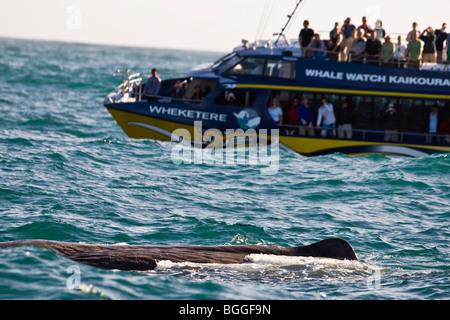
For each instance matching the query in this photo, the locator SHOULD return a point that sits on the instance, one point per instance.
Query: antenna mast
(281, 34)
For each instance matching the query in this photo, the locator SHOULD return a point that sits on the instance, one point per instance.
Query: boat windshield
(248, 66)
(226, 63)
(280, 69)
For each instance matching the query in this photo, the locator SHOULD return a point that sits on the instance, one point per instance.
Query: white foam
(265, 262)
(302, 261)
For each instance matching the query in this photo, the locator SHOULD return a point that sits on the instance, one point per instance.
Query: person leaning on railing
(335, 44)
(316, 48)
(359, 47)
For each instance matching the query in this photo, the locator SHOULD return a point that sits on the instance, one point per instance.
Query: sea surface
(69, 173)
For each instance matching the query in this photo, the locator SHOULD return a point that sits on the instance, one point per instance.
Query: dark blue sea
(69, 173)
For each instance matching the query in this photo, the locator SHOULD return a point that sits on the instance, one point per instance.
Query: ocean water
(69, 173)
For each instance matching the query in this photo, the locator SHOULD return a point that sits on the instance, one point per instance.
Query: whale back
(142, 257)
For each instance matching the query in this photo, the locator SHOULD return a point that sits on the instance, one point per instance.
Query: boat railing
(370, 135)
(131, 88)
(160, 98)
(378, 60)
(130, 80)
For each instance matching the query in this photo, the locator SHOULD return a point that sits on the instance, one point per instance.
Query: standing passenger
(391, 123)
(335, 44)
(373, 49)
(357, 53)
(414, 31)
(365, 26)
(151, 90)
(349, 43)
(316, 48)
(381, 33)
(387, 52)
(305, 36)
(432, 122)
(347, 28)
(276, 112)
(429, 47)
(344, 120)
(177, 91)
(326, 113)
(399, 54)
(441, 37)
(448, 48)
(414, 52)
(291, 112)
(305, 118)
(444, 130)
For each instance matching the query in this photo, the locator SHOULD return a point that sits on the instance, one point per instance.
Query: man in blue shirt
(305, 118)
(151, 90)
(348, 28)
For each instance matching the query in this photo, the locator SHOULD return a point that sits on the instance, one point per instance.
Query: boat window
(219, 61)
(198, 88)
(236, 98)
(248, 66)
(429, 103)
(226, 63)
(281, 69)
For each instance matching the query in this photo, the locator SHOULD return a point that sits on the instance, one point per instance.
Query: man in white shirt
(326, 113)
(399, 54)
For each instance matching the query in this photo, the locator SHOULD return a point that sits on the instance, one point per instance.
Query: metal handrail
(365, 133)
(367, 59)
(166, 99)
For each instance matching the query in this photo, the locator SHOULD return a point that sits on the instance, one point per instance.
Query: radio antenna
(290, 16)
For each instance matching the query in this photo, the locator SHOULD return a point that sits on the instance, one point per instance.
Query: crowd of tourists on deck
(365, 44)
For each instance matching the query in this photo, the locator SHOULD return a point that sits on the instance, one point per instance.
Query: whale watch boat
(236, 91)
